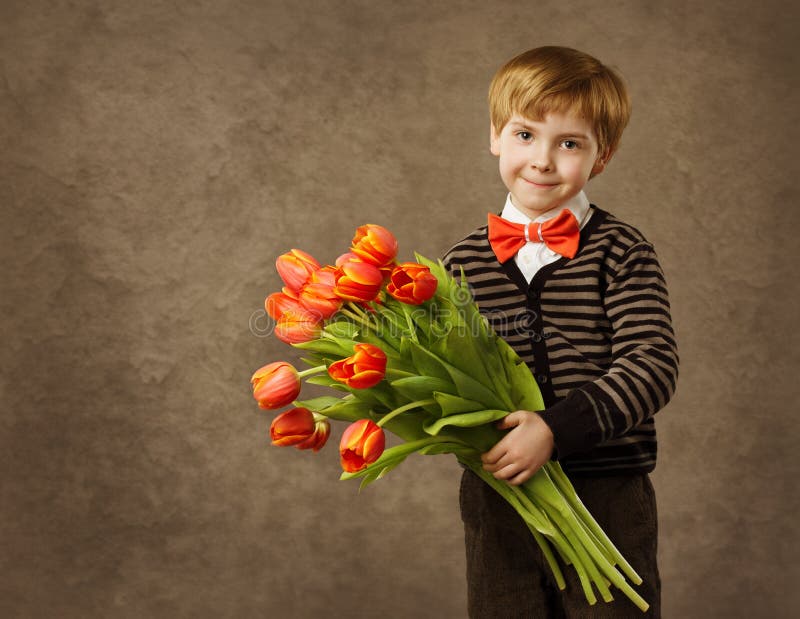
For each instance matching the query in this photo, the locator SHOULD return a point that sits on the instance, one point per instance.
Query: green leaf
(453, 404)
(426, 363)
(326, 381)
(318, 405)
(338, 348)
(394, 456)
(525, 391)
(421, 387)
(465, 420)
(472, 389)
(346, 410)
(343, 329)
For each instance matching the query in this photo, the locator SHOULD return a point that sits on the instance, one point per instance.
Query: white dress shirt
(534, 255)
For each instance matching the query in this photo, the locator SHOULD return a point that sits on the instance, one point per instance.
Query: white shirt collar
(578, 204)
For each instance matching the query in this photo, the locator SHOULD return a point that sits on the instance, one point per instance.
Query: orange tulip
(279, 302)
(358, 281)
(318, 295)
(295, 267)
(347, 257)
(362, 443)
(275, 385)
(375, 245)
(365, 368)
(412, 283)
(301, 428)
(326, 275)
(298, 325)
(320, 299)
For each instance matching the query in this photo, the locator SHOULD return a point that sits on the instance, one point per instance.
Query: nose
(540, 157)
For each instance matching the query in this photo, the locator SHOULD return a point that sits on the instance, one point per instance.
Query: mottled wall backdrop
(157, 156)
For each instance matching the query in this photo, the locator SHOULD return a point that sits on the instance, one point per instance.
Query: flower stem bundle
(407, 350)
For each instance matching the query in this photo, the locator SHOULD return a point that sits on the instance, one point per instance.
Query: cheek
(577, 172)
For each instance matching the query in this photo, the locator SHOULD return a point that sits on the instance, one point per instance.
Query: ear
(494, 141)
(601, 162)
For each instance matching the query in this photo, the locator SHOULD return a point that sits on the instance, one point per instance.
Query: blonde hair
(561, 79)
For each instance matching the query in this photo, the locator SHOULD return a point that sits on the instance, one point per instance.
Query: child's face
(544, 163)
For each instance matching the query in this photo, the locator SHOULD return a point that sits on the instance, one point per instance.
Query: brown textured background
(157, 156)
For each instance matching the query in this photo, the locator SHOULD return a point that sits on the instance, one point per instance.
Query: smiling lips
(540, 185)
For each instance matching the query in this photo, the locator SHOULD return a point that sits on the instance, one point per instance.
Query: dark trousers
(507, 576)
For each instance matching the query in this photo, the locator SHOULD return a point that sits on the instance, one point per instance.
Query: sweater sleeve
(644, 367)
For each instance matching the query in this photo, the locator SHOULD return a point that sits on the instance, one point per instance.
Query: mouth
(540, 185)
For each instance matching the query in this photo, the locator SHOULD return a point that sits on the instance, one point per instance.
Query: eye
(525, 136)
(570, 144)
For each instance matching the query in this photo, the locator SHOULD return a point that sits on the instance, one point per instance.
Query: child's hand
(520, 453)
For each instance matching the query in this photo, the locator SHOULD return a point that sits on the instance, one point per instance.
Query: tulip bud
(295, 267)
(322, 430)
(362, 443)
(320, 299)
(275, 385)
(318, 295)
(301, 428)
(374, 244)
(346, 257)
(358, 281)
(298, 325)
(365, 368)
(279, 302)
(412, 283)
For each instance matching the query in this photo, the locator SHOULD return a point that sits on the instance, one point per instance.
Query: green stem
(539, 521)
(357, 319)
(355, 309)
(406, 407)
(412, 328)
(315, 370)
(547, 551)
(565, 544)
(543, 487)
(563, 483)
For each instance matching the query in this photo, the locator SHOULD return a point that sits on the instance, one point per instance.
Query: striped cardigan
(595, 330)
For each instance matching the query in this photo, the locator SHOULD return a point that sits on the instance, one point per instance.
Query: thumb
(510, 421)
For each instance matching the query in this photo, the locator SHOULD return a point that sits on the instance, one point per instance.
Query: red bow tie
(561, 234)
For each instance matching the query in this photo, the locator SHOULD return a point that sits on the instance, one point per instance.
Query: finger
(506, 472)
(495, 453)
(494, 460)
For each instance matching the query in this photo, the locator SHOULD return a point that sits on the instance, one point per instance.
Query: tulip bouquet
(406, 349)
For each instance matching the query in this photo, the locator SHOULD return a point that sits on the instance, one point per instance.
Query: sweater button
(536, 337)
(533, 295)
(541, 379)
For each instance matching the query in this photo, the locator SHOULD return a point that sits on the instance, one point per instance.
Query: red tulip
(358, 281)
(362, 443)
(365, 368)
(275, 385)
(298, 325)
(375, 245)
(295, 267)
(321, 433)
(412, 283)
(301, 428)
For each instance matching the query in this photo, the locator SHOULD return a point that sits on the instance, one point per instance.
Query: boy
(581, 297)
